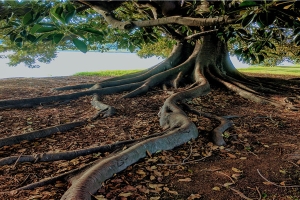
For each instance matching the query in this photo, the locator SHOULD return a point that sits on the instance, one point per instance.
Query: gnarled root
(104, 110)
(39, 134)
(91, 180)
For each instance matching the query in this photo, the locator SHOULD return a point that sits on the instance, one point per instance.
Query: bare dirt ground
(260, 161)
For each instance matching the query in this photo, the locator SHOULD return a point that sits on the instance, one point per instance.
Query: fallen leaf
(282, 183)
(154, 198)
(153, 186)
(59, 185)
(236, 176)
(173, 192)
(236, 170)
(227, 184)
(167, 173)
(100, 197)
(143, 189)
(216, 188)
(231, 155)
(36, 197)
(185, 180)
(194, 196)
(243, 158)
(267, 183)
(140, 172)
(129, 188)
(149, 154)
(282, 171)
(125, 194)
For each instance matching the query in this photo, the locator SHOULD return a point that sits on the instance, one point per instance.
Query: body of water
(69, 62)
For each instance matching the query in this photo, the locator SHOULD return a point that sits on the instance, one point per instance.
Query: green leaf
(91, 30)
(267, 18)
(59, 10)
(242, 31)
(248, 4)
(14, 23)
(58, 37)
(31, 38)
(19, 42)
(45, 29)
(258, 48)
(12, 37)
(57, 16)
(35, 28)
(296, 31)
(23, 33)
(28, 18)
(41, 37)
(131, 48)
(69, 15)
(4, 27)
(270, 45)
(261, 58)
(80, 45)
(248, 20)
(70, 8)
(296, 39)
(238, 52)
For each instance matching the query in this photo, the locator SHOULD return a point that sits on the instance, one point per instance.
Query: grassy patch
(106, 73)
(282, 70)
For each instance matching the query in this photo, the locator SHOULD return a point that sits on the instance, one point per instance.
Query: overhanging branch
(200, 34)
(187, 21)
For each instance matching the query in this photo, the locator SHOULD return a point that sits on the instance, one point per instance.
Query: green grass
(280, 70)
(106, 73)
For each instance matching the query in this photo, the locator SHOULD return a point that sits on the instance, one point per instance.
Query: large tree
(203, 33)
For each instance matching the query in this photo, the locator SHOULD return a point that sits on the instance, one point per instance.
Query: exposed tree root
(174, 59)
(39, 134)
(105, 110)
(69, 155)
(209, 59)
(51, 180)
(91, 180)
(217, 133)
(30, 102)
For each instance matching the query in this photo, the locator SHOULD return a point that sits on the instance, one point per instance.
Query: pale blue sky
(68, 63)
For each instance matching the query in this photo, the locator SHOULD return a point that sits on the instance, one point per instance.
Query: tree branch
(188, 21)
(200, 34)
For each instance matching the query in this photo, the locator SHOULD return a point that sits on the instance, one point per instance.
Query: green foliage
(162, 48)
(267, 32)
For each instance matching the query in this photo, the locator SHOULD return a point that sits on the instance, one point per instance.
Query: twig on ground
(259, 194)
(294, 163)
(240, 193)
(191, 151)
(17, 160)
(226, 176)
(282, 186)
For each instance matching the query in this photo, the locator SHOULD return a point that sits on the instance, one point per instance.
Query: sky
(68, 63)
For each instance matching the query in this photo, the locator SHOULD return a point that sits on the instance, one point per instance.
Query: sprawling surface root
(208, 61)
(39, 134)
(91, 180)
(104, 110)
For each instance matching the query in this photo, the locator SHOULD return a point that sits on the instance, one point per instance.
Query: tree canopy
(256, 31)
